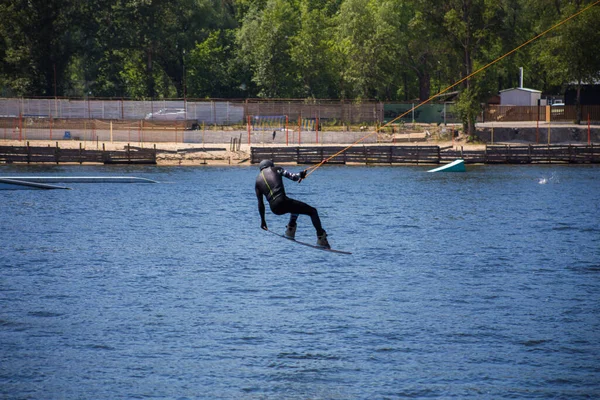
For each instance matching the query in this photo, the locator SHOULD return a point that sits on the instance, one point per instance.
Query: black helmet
(265, 164)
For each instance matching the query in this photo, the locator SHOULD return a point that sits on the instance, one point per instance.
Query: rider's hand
(302, 174)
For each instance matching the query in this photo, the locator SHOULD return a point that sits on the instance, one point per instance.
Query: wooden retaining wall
(31, 155)
(356, 154)
(497, 154)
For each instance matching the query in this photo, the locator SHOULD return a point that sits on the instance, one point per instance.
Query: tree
(358, 47)
(310, 51)
(264, 47)
(571, 55)
(471, 27)
(36, 44)
(410, 48)
(214, 71)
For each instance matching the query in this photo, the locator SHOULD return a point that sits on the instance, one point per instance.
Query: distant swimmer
(269, 183)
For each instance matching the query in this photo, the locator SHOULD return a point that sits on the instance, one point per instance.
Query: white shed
(520, 97)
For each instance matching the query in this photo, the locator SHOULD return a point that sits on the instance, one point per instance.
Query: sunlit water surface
(484, 284)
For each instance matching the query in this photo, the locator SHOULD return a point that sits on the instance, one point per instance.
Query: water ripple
(476, 285)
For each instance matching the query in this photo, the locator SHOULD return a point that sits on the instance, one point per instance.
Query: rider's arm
(290, 175)
(261, 208)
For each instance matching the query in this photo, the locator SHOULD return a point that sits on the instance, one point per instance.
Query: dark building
(590, 94)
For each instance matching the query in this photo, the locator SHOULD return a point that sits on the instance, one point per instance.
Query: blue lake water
(484, 284)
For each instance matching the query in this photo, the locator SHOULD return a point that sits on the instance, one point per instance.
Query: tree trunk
(578, 104)
(150, 75)
(424, 85)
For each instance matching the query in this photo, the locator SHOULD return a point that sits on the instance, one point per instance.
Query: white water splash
(552, 179)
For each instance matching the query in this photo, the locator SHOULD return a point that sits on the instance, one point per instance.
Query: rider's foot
(322, 240)
(290, 232)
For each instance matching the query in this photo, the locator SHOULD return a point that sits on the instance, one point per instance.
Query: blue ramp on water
(454, 166)
(47, 182)
(81, 179)
(16, 184)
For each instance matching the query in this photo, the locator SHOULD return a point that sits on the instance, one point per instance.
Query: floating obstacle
(45, 182)
(17, 184)
(454, 166)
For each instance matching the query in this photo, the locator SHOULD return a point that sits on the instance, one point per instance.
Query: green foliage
(214, 71)
(354, 49)
(358, 47)
(312, 56)
(264, 46)
(468, 107)
(568, 52)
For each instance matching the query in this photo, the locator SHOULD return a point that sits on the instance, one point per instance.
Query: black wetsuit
(269, 183)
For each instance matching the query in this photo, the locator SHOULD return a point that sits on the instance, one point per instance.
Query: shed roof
(523, 89)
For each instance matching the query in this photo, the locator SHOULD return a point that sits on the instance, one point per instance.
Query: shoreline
(222, 155)
(192, 154)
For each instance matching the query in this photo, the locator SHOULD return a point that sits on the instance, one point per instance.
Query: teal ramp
(454, 166)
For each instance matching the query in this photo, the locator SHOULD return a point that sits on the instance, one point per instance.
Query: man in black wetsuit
(269, 183)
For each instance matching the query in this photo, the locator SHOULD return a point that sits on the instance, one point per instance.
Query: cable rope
(313, 168)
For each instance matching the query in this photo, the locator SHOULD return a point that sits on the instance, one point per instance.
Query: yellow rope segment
(312, 168)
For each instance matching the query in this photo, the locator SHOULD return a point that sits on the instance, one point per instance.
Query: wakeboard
(310, 245)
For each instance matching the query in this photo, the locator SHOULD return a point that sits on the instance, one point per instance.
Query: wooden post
(317, 129)
(57, 153)
(248, 126)
(104, 157)
(589, 130)
(569, 153)
(537, 128)
(28, 153)
(50, 126)
(485, 154)
(299, 129)
(20, 127)
(111, 131)
(286, 130)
